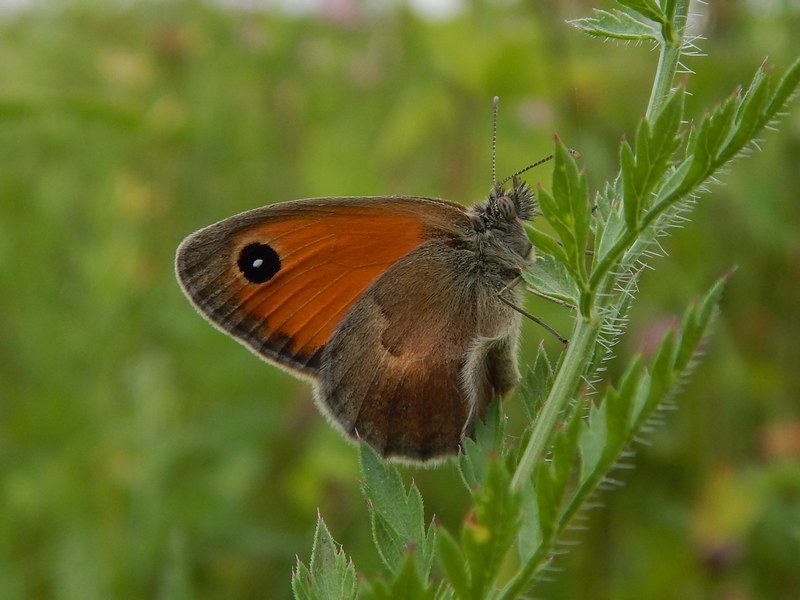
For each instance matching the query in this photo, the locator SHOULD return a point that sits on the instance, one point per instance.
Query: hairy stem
(673, 37)
(564, 387)
(587, 328)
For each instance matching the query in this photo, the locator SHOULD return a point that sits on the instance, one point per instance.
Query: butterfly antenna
(573, 153)
(495, 105)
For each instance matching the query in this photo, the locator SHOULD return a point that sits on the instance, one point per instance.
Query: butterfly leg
(553, 299)
(525, 313)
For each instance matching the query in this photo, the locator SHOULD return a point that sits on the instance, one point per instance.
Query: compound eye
(506, 209)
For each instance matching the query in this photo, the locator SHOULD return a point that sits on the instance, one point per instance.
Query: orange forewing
(330, 251)
(326, 265)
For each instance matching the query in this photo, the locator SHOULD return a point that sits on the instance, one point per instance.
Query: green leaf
(453, 562)
(397, 516)
(565, 444)
(632, 390)
(696, 323)
(486, 444)
(547, 500)
(787, 86)
(607, 430)
(709, 140)
(331, 573)
(735, 123)
(551, 477)
(592, 440)
(567, 210)
(529, 540)
(647, 8)
(613, 229)
(643, 170)
(658, 143)
(675, 178)
(405, 586)
(662, 378)
(632, 204)
(750, 117)
(544, 242)
(538, 381)
(615, 24)
(665, 139)
(605, 201)
(489, 532)
(550, 277)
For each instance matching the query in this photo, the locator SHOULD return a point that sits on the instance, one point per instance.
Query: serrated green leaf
(605, 201)
(405, 586)
(538, 381)
(397, 516)
(444, 592)
(566, 208)
(331, 574)
(661, 140)
(529, 540)
(615, 24)
(701, 157)
(786, 87)
(662, 378)
(676, 177)
(486, 444)
(644, 167)
(592, 440)
(714, 132)
(620, 406)
(632, 199)
(721, 122)
(613, 229)
(565, 445)
(751, 113)
(546, 500)
(544, 242)
(642, 148)
(489, 532)
(453, 563)
(750, 117)
(709, 305)
(695, 324)
(664, 138)
(301, 582)
(391, 545)
(735, 123)
(550, 277)
(571, 193)
(647, 8)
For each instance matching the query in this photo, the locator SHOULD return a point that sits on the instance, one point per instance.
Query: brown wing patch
(394, 373)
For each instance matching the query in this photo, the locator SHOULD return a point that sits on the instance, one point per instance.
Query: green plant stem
(669, 56)
(673, 35)
(564, 386)
(587, 328)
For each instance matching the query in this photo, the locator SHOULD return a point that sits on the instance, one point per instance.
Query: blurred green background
(143, 454)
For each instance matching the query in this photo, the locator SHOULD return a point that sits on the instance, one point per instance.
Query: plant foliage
(525, 497)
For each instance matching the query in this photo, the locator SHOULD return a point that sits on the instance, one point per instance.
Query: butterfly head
(510, 205)
(498, 222)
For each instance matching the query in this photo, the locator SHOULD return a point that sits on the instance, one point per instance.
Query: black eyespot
(259, 262)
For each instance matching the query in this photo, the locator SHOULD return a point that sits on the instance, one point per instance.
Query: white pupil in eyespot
(258, 262)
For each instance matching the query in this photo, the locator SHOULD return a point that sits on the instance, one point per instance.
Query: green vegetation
(143, 454)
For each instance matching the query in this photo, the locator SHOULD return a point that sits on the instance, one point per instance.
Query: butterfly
(402, 311)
